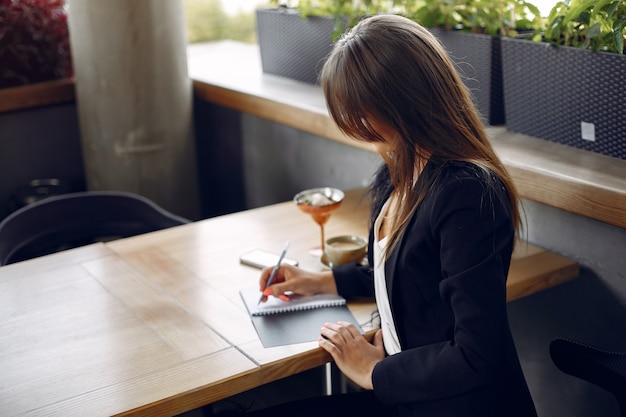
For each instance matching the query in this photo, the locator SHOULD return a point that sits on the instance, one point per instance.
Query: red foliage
(34, 42)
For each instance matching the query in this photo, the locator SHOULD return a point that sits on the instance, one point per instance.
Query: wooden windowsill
(229, 74)
(36, 95)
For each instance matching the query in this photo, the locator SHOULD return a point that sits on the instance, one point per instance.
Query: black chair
(76, 219)
(598, 366)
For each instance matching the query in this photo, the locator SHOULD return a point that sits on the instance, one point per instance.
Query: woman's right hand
(296, 280)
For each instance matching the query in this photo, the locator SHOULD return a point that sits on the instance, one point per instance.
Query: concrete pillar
(134, 99)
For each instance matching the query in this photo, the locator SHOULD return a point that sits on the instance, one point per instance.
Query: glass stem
(322, 230)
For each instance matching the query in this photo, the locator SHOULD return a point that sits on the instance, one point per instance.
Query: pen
(273, 274)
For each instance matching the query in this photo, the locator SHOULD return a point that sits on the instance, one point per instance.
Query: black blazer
(446, 282)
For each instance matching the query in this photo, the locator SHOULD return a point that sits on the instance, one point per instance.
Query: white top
(390, 336)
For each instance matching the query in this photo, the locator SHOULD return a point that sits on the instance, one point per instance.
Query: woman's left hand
(352, 353)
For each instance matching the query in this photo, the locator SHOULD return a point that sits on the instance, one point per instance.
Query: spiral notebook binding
(299, 307)
(296, 303)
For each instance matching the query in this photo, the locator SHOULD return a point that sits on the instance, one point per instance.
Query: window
(211, 20)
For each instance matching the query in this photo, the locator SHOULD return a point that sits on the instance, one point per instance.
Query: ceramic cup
(345, 249)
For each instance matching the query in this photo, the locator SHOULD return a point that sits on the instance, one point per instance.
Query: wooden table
(153, 325)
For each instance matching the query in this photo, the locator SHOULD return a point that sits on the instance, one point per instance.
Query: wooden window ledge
(36, 95)
(229, 74)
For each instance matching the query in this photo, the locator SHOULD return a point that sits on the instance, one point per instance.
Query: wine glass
(319, 203)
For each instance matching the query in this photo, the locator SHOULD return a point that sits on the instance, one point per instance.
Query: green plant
(599, 25)
(34, 42)
(492, 17)
(345, 13)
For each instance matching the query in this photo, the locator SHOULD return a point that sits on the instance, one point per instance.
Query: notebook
(299, 320)
(296, 302)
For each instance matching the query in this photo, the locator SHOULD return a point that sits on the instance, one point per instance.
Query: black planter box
(567, 95)
(478, 59)
(293, 47)
(297, 48)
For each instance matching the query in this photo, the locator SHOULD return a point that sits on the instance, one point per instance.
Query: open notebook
(299, 320)
(296, 302)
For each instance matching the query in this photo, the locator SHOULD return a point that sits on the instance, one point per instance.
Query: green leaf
(594, 31)
(618, 38)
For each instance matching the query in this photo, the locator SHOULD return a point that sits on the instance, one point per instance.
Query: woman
(443, 225)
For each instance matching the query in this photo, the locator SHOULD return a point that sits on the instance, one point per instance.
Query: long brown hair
(390, 70)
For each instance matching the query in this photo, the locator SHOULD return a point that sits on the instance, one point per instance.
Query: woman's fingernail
(267, 291)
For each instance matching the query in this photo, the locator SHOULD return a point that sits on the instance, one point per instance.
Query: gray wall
(45, 142)
(279, 161)
(39, 143)
(590, 308)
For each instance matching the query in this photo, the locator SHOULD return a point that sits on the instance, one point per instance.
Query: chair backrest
(76, 219)
(598, 366)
